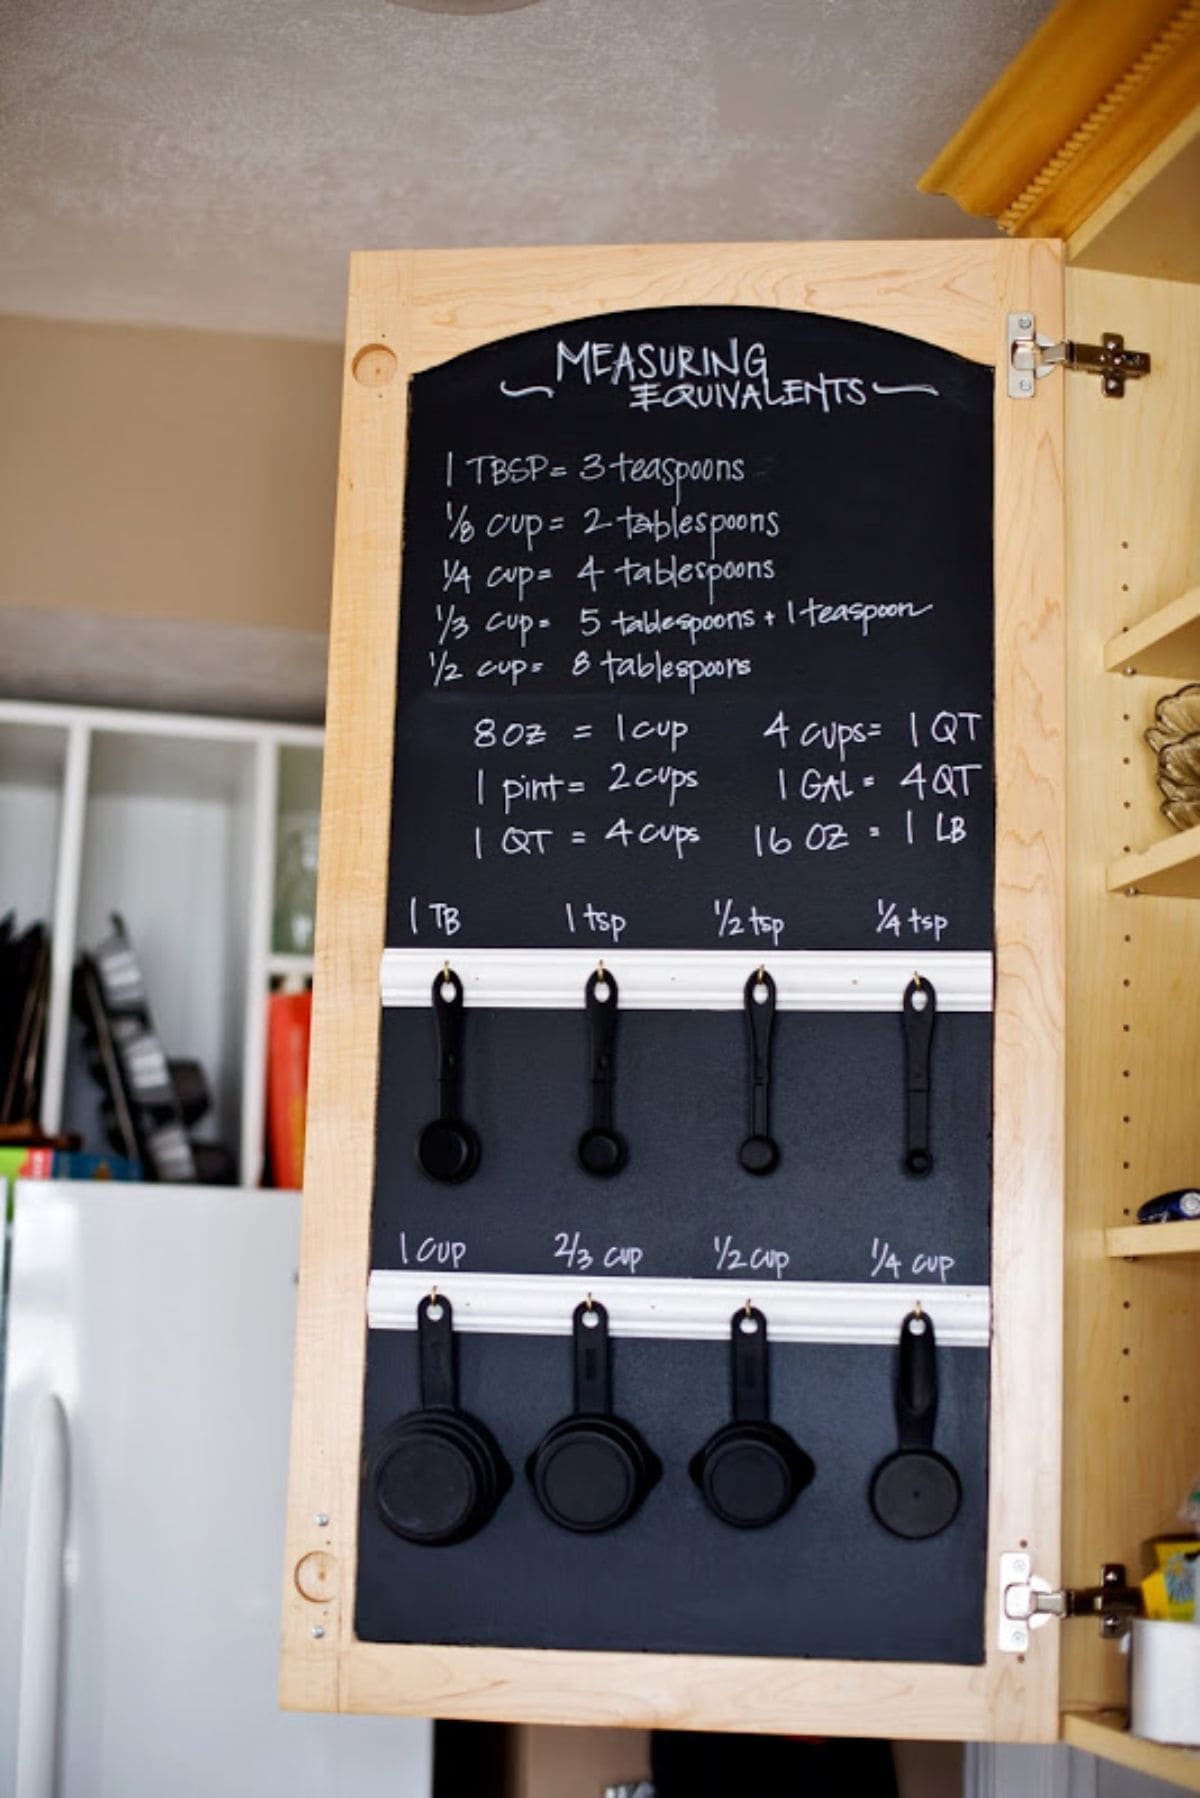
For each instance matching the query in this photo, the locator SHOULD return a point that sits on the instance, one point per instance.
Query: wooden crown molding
(1094, 91)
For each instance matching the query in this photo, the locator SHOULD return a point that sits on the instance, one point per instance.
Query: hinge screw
(1025, 323)
(317, 1631)
(321, 1520)
(1025, 384)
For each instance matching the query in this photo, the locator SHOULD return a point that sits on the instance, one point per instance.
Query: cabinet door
(415, 312)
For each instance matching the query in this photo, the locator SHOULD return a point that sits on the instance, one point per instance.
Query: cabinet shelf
(174, 822)
(1166, 643)
(1104, 1733)
(1181, 1237)
(1170, 869)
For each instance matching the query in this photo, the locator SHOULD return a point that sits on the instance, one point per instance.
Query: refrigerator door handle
(42, 1609)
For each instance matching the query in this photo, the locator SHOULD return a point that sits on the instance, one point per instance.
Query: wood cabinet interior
(1131, 1410)
(1168, 642)
(1170, 868)
(1104, 1734)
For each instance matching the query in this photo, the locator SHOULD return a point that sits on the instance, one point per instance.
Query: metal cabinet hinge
(1032, 356)
(1027, 1602)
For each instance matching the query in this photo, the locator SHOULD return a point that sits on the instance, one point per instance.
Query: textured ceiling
(213, 163)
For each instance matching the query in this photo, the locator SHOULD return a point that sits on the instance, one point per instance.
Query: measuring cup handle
(916, 1382)
(435, 1339)
(748, 1365)
(593, 1372)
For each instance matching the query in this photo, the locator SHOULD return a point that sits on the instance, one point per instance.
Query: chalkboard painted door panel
(852, 524)
(696, 639)
(838, 1206)
(675, 1578)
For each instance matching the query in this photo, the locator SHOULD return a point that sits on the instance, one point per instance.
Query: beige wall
(167, 474)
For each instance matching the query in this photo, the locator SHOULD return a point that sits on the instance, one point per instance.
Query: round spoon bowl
(759, 1154)
(602, 1153)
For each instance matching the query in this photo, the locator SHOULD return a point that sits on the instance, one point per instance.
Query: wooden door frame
(407, 312)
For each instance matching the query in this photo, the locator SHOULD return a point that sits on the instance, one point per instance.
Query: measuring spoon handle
(602, 1023)
(760, 1020)
(448, 1016)
(920, 1010)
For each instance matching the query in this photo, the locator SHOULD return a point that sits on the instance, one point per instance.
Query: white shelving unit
(175, 822)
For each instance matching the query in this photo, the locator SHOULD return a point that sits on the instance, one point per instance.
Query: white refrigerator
(143, 1453)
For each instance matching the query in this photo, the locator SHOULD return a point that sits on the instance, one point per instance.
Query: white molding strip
(692, 979)
(680, 1310)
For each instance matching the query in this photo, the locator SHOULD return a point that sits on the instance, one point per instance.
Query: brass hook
(917, 981)
(588, 1302)
(917, 1311)
(445, 970)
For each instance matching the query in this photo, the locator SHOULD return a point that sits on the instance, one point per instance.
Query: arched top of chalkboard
(714, 360)
(683, 593)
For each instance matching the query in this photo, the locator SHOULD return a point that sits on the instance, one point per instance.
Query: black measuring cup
(601, 1149)
(437, 1475)
(592, 1470)
(751, 1471)
(916, 1492)
(759, 1153)
(447, 1149)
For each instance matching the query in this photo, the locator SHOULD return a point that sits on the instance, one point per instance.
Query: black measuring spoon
(916, 1492)
(759, 1154)
(447, 1149)
(920, 1009)
(438, 1474)
(592, 1470)
(751, 1471)
(601, 1150)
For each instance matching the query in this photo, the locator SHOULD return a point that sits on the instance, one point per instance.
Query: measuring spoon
(601, 1150)
(759, 1153)
(447, 1149)
(920, 1009)
(915, 1492)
